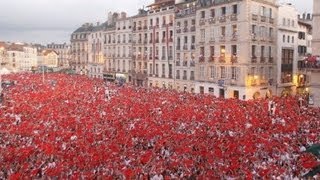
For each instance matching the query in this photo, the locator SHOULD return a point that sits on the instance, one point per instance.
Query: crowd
(74, 127)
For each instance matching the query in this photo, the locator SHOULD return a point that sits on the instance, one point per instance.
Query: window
(223, 72)
(223, 31)
(292, 39)
(178, 74)
(283, 21)
(213, 13)
(201, 72)
(203, 34)
(203, 14)
(212, 72)
(253, 50)
(222, 51)
(234, 50)
(234, 29)
(288, 39)
(262, 51)
(235, 9)
(283, 38)
(211, 51)
(234, 74)
(191, 75)
(223, 11)
(270, 13)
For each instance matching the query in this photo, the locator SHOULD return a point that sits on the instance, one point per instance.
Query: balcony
(178, 48)
(234, 37)
(201, 59)
(202, 22)
(145, 27)
(212, 40)
(193, 47)
(170, 40)
(222, 19)
(163, 40)
(270, 59)
(193, 28)
(263, 19)
(178, 31)
(157, 41)
(163, 76)
(211, 59)
(184, 78)
(262, 59)
(134, 29)
(212, 21)
(185, 47)
(271, 20)
(170, 58)
(254, 37)
(234, 17)
(192, 78)
(177, 76)
(254, 17)
(222, 59)
(234, 59)
(185, 63)
(222, 38)
(185, 29)
(192, 63)
(286, 67)
(254, 59)
(163, 58)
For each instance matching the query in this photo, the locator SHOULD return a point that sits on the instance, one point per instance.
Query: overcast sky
(45, 21)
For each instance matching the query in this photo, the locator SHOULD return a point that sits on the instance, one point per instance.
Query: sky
(46, 21)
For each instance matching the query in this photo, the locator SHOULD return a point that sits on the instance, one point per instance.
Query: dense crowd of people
(71, 126)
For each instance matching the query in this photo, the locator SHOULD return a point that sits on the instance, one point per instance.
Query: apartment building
(123, 47)
(161, 48)
(236, 48)
(96, 41)
(22, 57)
(79, 48)
(287, 49)
(63, 51)
(48, 58)
(140, 52)
(185, 45)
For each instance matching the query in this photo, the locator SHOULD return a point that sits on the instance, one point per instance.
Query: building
(185, 45)
(63, 51)
(96, 53)
(110, 47)
(48, 58)
(79, 48)
(140, 45)
(236, 48)
(161, 35)
(123, 47)
(22, 57)
(287, 49)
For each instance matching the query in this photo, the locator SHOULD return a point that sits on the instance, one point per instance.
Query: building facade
(287, 50)
(48, 58)
(140, 51)
(79, 48)
(22, 57)
(236, 48)
(161, 32)
(185, 45)
(63, 51)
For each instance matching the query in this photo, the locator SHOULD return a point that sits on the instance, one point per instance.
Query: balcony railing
(234, 37)
(185, 30)
(202, 22)
(184, 78)
(263, 19)
(222, 59)
(212, 20)
(192, 64)
(193, 29)
(234, 59)
(185, 63)
(254, 59)
(211, 58)
(201, 59)
(192, 47)
(222, 19)
(262, 59)
(222, 38)
(178, 48)
(271, 20)
(254, 17)
(270, 59)
(185, 47)
(178, 31)
(234, 17)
